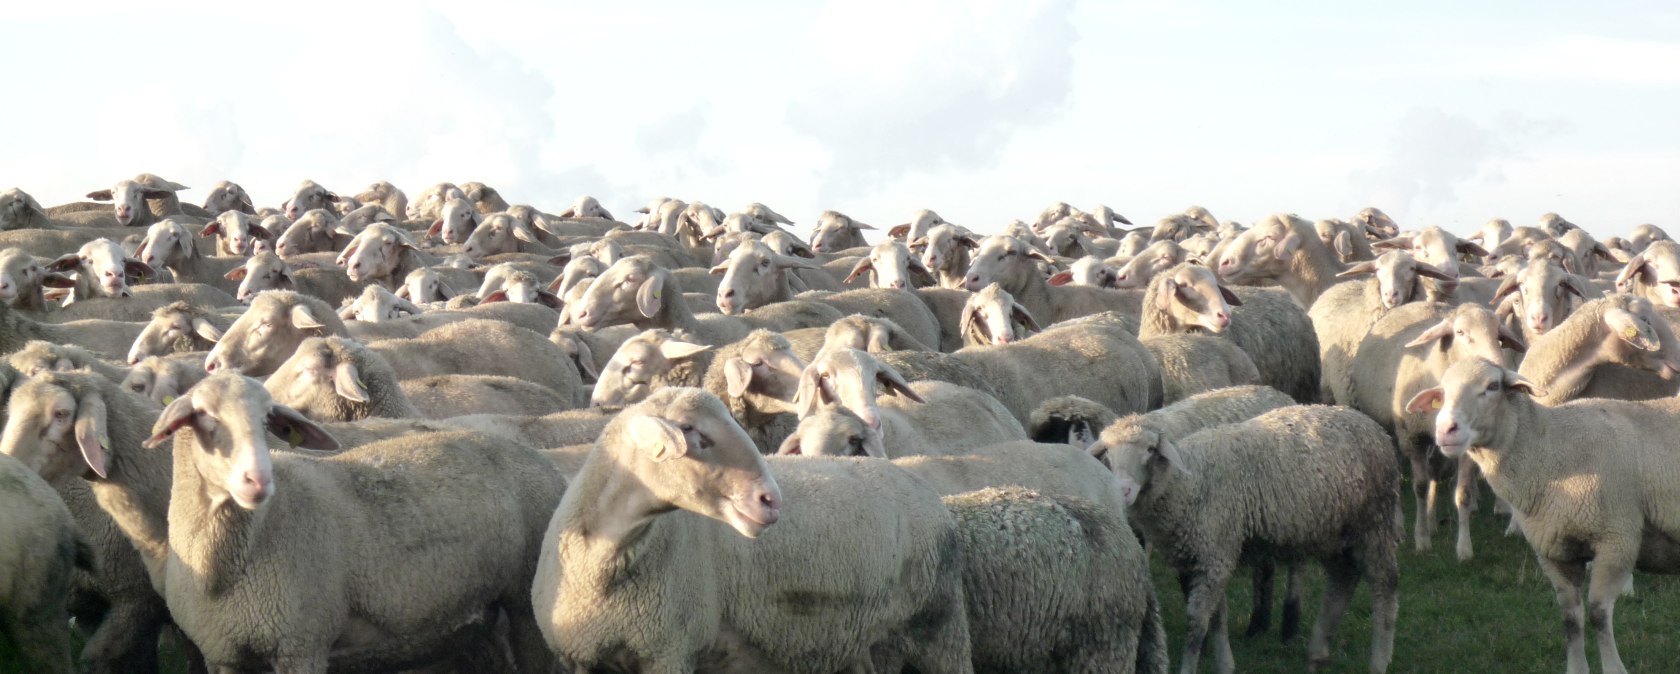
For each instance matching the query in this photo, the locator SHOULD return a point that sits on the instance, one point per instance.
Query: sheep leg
(42, 644)
(1382, 571)
(1567, 580)
(1608, 577)
(1260, 613)
(1464, 493)
(1341, 577)
(1223, 661)
(1207, 592)
(126, 639)
(942, 639)
(1423, 492)
(1291, 602)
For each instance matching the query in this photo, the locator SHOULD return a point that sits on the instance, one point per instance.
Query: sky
(1439, 112)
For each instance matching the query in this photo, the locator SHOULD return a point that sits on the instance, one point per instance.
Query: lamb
(1070, 564)
(1204, 499)
(1008, 261)
(316, 231)
(377, 305)
(1405, 352)
(1268, 326)
(471, 502)
(431, 200)
(1535, 456)
(1284, 249)
(837, 231)
(267, 271)
(308, 196)
(945, 253)
(1615, 347)
(165, 378)
(269, 332)
(387, 196)
(381, 254)
(902, 591)
(41, 549)
(141, 201)
(650, 361)
(169, 245)
(236, 233)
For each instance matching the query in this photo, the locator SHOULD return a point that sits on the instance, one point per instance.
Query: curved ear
(1575, 284)
(719, 270)
(863, 265)
(894, 383)
(297, 430)
(1360, 269)
(213, 228)
(1429, 270)
(789, 446)
(586, 360)
(57, 280)
(970, 314)
(435, 230)
(1061, 278)
(1427, 400)
(498, 296)
(261, 232)
(1023, 317)
(1506, 306)
(1517, 382)
(206, 330)
(674, 350)
(1506, 286)
(348, 311)
(347, 381)
(1041, 256)
(176, 414)
(100, 195)
(1434, 332)
(661, 439)
(650, 297)
(1467, 248)
(134, 267)
(1229, 295)
(447, 292)
(549, 300)
(808, 395)
(1396, 243)
(1165, 292)
(403, 292)
(1169, 453)
(1511, 341)
(1343, 244)
(304, 318)
(91, 435)
(794, 262)
(1631, 329)
(65, 263)
(737, 375)
(1287, 247)
(897, 231)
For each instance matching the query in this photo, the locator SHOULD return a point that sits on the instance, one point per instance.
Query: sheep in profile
(1147, 263)
(1616, 347)
(645, 363)
(837, 231)
(381, 254)
(270, 330)
(39, 550)
(1377, 223)
(919, 225)
(1273, 330)
(484, 197)
(337, 379)
(1311, 481)
(309, 195)
(18, 210)
(1643, 236)
(1535, 457)
(702, 586)
(316, 231)
(1282, 249)
(1012, 264)
(1653, 273)
(267, 271)
(431, 200)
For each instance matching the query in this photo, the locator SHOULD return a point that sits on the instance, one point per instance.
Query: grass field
(1494, 613)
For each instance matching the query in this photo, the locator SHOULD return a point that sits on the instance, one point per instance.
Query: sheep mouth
(749, 524)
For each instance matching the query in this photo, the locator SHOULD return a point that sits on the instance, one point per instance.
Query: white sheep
(387, 196)
(425, 208)
(316, 231)
(1271, 328)
(585, 206)
(39, 550)
(309, 195)
(267, 271)
(1010, 263)
(836, 231)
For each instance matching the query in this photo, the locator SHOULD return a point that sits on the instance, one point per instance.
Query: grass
(1494, 613)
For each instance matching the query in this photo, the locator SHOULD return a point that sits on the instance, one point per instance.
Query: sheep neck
(615, 507)
(1514, 472)
(673, 313)
(1312, 270)
(1031, 290)
(135, 492)
(212, 539)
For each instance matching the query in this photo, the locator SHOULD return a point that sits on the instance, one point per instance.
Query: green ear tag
(1631, 332)
(296, 437)
(657, 293)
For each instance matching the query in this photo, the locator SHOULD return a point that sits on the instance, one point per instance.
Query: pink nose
(898, 285)
(254, 487)
(292, 212)
(1222, 319)
(212, 364)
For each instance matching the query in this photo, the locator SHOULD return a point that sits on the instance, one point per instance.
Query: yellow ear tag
(1630, 332)
(104, 440)
(168, 399)
(296, 437)
(1435, 404)
(658, 293)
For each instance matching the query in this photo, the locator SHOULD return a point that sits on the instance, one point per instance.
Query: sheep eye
(138, 388)
(1494, 386)
(61, 415)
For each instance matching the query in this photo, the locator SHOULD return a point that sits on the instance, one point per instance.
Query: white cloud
(1579, 58)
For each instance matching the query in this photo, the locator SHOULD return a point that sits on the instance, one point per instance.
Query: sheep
(236, 232)
(1377, 223)
(423, 286)
(316, 231)
(381, 254)
(1071, 420)
(456, 395)
(499, 234)
(469, 501)
(1535, 457)
(945, 419)
(228, 197)
(1191, 364)
(337, 379)
(267, 271)
(1266, 323)
(387, 196)
(1519, 242)
(1102, 362)
(637, 291)
(457, 219)
(756, 378)
(1143, 267)
(107, 337)
(1586, 250)
(869, 333)
(557, 429)
(101, 268)
(431, 199)
(945, 253)
(1282, 248)
(837, 231)
(18, 210)
(1302, 481)
(1653, 273)
(359, 218)
(1405, 352)
(504, 283)
(1180, 227)
(1643, 236)
(38, 356)
(270, 330)
(169, 245)
(585, 206)
(41, 547)
(1491, 233)
(1343, 314)
(1008, 261)
(993, 317)
(24, 279)
(1345, 239)
(591, 350)
(1539, 296)
(1599, 350)
(918, 226)
(308, 196)
(165, 378)
(141, 201)
(377, 305)
(889, 265)
(902, 592)
(1089, 271)
(650, 361)
(1042, 571)
(137, 307)
(483, 347)
(484, 197)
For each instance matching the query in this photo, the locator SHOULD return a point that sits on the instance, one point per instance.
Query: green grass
(1494, 613)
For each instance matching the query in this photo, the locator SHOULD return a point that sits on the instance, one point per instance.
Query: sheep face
(264, 271)
(638, 367)
(1142, 268)
(1378, 223)
(498, 233)
(104, 266)
(1397, 275)
(228, 415)
(432, 199)
(38, 357)
(753, 277)
(167, 244)
(1091, 272)
(129, 199)
(53, 430)
(918, 226)
(1053, 213)
(318, 379)
(317, 231)
(236, 232)
(18, 209)
(836, 231)
(1657, 268)
(228, 197)
(173, 329)
(631, 290)
(1136, 456)
(1261, 253)
(851, 379)
(1066, 240)
(377, 305)
(1191, 297)
(891, 265)
(375, 253)
(1471, 331)
(859, 332)
(425, 285)
(157, 379)
(1470, 402)
(1492, 233)
(586, 207)
(684, 448)
(456, 221)
(309, 195)
(522, 287)
(265, 335)
(1543, 294)
(946, 248)
(765, 365)
(22, 276)
(992, 317)
(1004, 260)
(834, 432)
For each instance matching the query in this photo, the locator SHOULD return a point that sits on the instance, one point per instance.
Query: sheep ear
(1629, 328)
(1517, 382)
(1511, 341)
(1396, 243)
(1427, 400)
(1343, 244)
(100, 195)
(261, 232)
(1287, 247)
(65, 263)
(1020, 315)
(789, 446)
(1468, 248)
(719, 270)
(1434, 332)
(348, 383)
(435, 230)
(498, 296)
(897, 231)
(403, 292)
(675, 350)
(1169, 453)
(176, 414)
(447, 292)
(969, 314)
(212, 229)
(206, 330)
(895, 384)
(1574, 284)
(1366, 267)
(235, 274)
(54, 279)
(586, 361)
(1061, 278)
(90, 432)
(649, 298)
(134, 267)
(737, 375)
(561, 259)
(1165, 293)
(305, 319)
(1042, 257)
(862, 266)
(348, 311)
(550, 300)
(968, 242)
(1229, 295)
(1506, 286)
(808, 396)
(660, 438)
(1429, 270)
(297, 430)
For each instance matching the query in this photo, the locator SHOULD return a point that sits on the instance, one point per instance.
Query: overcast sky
(1439, 112)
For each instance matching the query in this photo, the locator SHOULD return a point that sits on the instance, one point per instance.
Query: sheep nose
(212, 364)
(729, 293)
(771, 502)
(899, 285)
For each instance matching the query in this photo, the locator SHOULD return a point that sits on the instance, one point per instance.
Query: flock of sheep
(457, 434)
